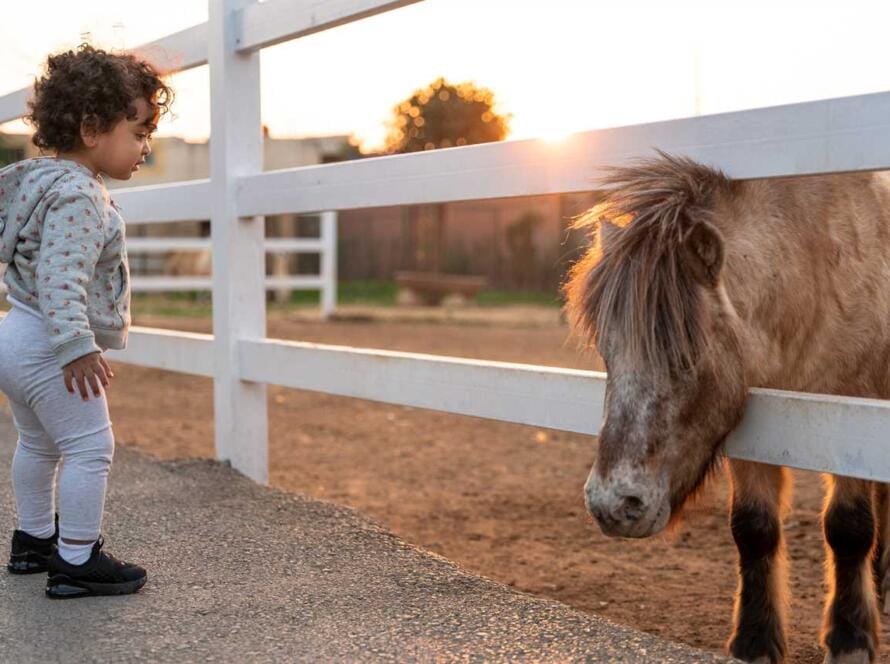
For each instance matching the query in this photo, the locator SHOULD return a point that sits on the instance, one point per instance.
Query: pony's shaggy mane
(635, 287)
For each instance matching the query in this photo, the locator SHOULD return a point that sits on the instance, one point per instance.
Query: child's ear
(89, 130)
(702, 251)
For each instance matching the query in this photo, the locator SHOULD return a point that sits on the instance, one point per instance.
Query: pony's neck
(805, 260)
(771, 312)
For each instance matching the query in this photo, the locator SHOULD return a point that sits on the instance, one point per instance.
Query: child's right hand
(92, 369)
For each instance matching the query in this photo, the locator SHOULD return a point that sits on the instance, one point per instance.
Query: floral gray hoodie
(63, 240)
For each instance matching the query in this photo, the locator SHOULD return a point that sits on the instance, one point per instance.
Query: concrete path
(243, 573)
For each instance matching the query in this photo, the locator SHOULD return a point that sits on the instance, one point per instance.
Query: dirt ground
(502, 500)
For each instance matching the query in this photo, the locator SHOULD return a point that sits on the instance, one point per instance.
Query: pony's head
(650, 295)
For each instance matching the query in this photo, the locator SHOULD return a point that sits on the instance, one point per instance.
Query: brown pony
(698, 288)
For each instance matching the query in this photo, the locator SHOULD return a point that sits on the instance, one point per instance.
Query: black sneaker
(29, 554)
(102, 574)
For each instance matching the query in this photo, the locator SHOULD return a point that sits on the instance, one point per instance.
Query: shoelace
(99, 544)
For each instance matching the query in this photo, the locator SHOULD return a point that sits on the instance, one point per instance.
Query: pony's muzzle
(619, 516)
(624, 510)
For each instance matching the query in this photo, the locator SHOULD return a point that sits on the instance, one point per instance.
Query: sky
(558, 66)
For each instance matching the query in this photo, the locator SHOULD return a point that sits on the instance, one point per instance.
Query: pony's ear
(608, 231)
(703, 252)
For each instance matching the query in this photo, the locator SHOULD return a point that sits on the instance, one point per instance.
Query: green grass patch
(367, 292)
(371, 293)
(496, 298)
(190, 303)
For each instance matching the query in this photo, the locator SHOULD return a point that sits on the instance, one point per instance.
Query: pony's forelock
(636, 288)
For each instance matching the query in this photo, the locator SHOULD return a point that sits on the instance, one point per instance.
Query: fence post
(239, 303)
(328, 263)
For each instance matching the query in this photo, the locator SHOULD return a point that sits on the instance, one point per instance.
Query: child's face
(118, 152)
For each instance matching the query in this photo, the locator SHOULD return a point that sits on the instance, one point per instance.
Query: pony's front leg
(882, 550)
(759, 495)
(850, 624)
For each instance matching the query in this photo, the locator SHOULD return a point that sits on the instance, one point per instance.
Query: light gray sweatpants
(53, 425)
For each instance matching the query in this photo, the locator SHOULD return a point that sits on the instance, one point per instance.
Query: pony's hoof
(855, 657)
(746, 649)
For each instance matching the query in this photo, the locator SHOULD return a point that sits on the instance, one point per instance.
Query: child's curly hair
(94, 88)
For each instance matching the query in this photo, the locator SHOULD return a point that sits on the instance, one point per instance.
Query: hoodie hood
(22, 186)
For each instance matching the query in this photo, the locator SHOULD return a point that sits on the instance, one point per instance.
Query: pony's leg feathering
(759, 496)
(850, 624)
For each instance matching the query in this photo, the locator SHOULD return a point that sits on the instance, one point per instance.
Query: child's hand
(91, 369)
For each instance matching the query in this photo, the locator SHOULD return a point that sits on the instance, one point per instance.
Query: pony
(695, 289)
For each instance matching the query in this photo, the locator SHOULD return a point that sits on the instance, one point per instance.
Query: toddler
(62, 239)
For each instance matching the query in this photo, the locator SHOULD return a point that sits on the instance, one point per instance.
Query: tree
(444, 115)
(441, 115)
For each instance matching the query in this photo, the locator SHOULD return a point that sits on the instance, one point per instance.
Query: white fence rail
(162, 284)
(325, 246)
(844, 134)
(180, 201)
(833, 434)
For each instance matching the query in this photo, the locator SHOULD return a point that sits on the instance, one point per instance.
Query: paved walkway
(243, 573)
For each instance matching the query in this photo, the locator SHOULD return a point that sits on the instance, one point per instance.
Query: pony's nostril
(632, 508)
(602, 516)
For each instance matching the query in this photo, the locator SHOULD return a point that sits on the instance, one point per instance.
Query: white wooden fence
(325, 282)
(839, 435)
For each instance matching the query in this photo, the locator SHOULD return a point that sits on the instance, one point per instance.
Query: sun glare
(542, 123)
(555, 135)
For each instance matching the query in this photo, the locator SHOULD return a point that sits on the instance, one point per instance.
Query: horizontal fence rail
(268, 23)
(258, 25)
(841, 435)
(845, 134)
(526, 394)
(824, 433)
(179, 51)
(160, 245)
(179, 201)
(161, 284)
(13, 105)
(185, 352)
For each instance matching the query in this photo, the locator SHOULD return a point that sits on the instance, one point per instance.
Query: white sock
(75, 554)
